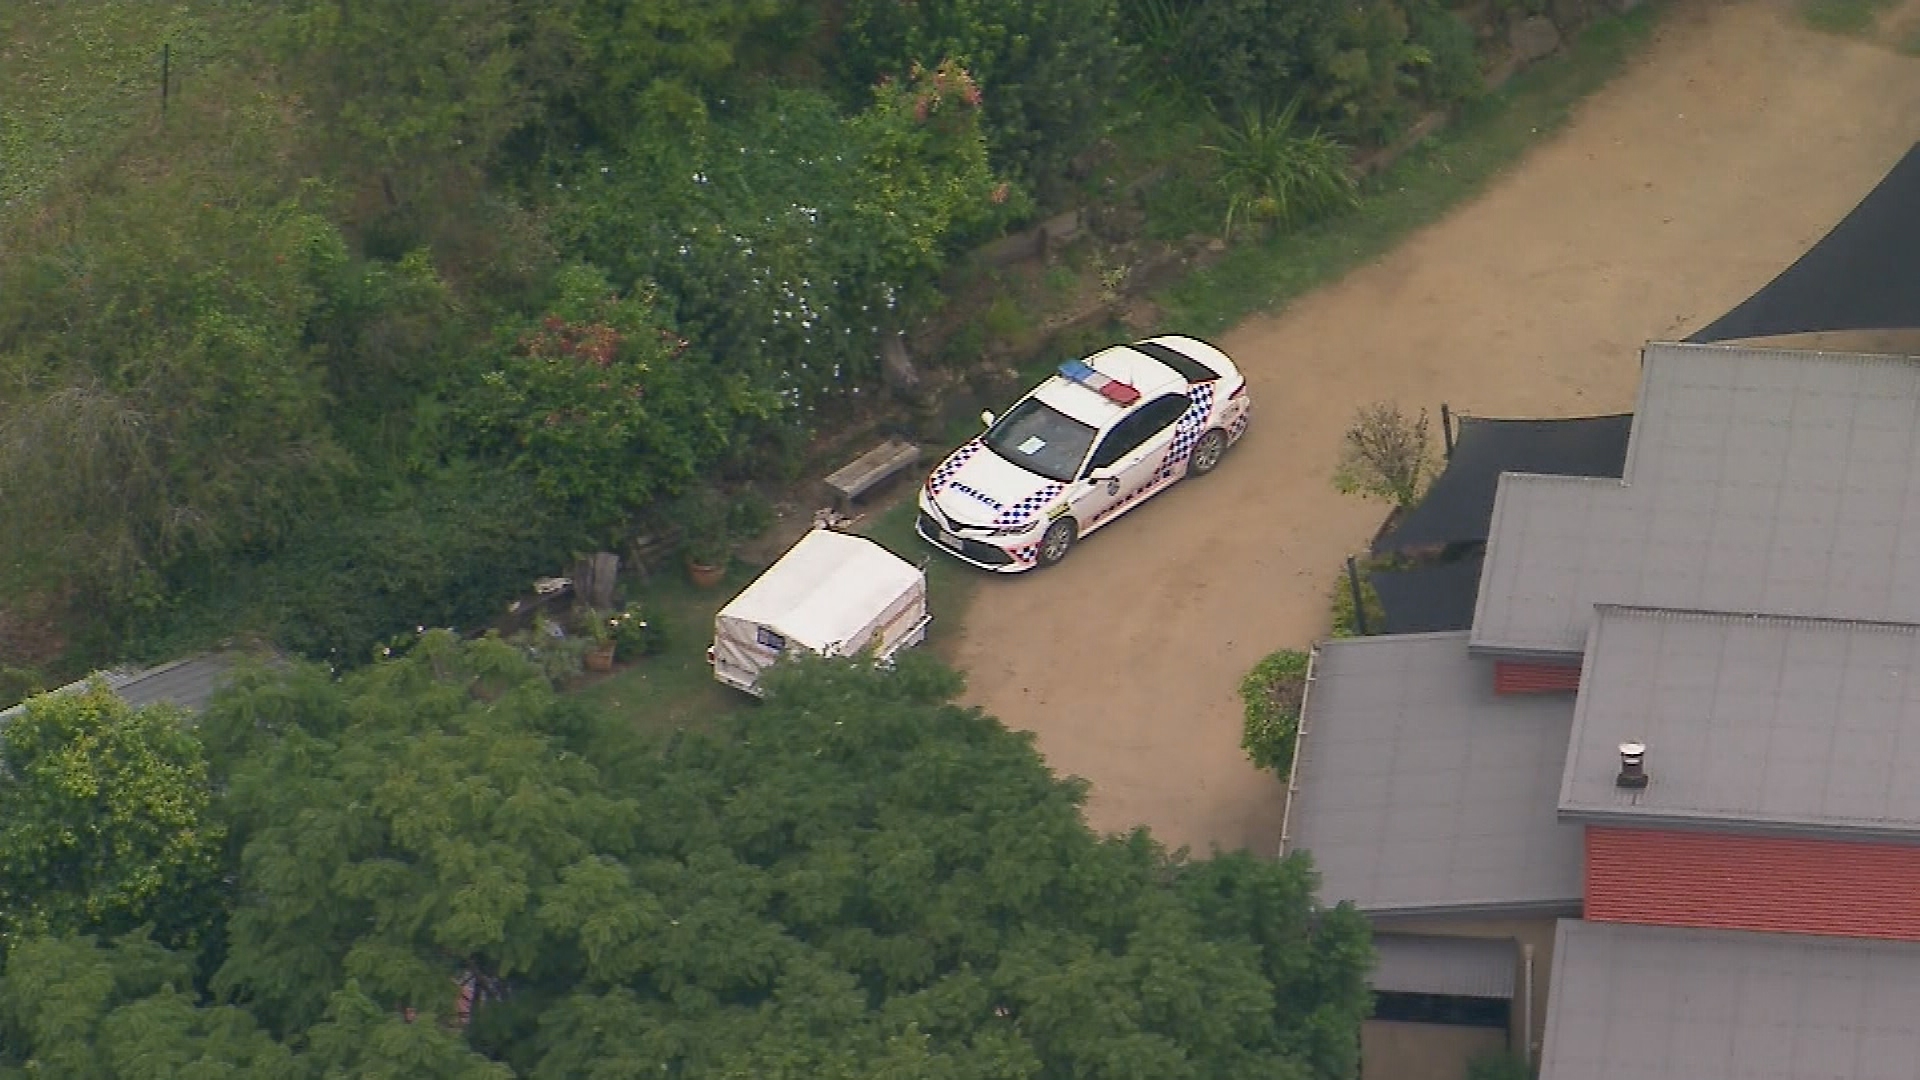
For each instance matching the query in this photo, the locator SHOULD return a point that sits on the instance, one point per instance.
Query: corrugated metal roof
(1767, 720)
(1453, 966)
(1766, 480)
(1692, 877)
(1420, 790)
(1653, 1003)
(189, 683)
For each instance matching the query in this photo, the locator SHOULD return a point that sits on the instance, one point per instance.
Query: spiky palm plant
(1273, 172)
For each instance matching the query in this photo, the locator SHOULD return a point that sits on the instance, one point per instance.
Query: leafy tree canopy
(106, 821)
(858, 879)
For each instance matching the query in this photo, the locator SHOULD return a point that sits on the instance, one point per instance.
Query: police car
(1097, 439)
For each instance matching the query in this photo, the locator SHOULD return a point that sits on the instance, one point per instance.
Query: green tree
(77, 1009)
(865, 876)
(106, 821)
(398, 828)
(860, 878)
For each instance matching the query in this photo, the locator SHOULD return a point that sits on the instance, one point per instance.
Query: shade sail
(1864, 275)
(1458, 508)
(1428, 599)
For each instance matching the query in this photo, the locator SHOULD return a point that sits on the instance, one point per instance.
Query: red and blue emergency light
(1112, 389)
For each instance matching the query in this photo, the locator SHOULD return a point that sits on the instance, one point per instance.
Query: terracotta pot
(706, 577)
(600, 658)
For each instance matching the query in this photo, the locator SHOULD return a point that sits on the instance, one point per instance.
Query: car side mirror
(1100, 476)
(986, 418)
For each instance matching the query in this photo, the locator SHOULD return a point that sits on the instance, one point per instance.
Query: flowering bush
(603, 404)
(787, 237)
(633, 635)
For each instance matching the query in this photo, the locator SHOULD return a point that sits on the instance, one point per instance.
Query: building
(189, 683)
(1671, 775)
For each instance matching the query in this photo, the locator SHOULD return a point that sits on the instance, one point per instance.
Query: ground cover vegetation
(395, 305)
(438, 866)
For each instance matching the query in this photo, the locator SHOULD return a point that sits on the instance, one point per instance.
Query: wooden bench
(870, 469)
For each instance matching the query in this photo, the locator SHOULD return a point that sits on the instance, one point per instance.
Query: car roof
(1189, 356)
(1122, 364)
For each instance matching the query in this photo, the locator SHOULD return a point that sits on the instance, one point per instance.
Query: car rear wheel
(1057, 541)
(1207, 453)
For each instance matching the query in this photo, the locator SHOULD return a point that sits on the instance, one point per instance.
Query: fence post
(1446, 429)
(1359, 601)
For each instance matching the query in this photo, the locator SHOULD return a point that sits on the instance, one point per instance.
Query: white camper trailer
(834, 594)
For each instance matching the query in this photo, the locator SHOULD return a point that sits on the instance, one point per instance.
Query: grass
(949, 582)
(1438, 175)
(78, 76)
(675, 688)
(1851, 17)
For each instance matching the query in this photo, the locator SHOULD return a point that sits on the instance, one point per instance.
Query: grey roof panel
(1660, 1003)
(1766, 480)
(1451, 966)
(1797, 723)
(1419, 789)
(188, 683)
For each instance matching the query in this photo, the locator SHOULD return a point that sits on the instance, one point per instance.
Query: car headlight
(1018, 530)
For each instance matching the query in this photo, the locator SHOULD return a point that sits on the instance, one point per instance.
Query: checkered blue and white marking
(1187, 432)
(1023, 511)
(944, 474)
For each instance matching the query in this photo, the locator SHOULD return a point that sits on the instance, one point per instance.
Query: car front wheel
(1207, 453)
(1057, 541)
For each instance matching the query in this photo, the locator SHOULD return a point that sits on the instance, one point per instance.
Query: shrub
(160, 395)
(1051, 70)
(705, 520)
(1273, 693)
(1273, 173)
(449, 548)
(1386, 454)
(1356, 64)
(1343, 622)
(635, 634)
(1452, 72)
(602, 405)
(17, 685)
(786, 238)
(749, 514)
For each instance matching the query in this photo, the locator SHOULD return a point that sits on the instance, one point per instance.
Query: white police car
(1082, 448)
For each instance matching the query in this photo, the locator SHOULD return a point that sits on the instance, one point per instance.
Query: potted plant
(599, 630)
(706, 537)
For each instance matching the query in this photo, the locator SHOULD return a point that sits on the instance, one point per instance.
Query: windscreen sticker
(1033, 445)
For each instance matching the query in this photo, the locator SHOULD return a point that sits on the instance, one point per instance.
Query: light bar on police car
(1112, 389)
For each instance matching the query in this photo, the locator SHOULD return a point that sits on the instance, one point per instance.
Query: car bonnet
(976, 486)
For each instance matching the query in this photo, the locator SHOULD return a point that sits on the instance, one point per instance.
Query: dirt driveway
(1734, 143)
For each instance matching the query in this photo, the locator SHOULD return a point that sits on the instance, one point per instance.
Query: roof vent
(1633, 766)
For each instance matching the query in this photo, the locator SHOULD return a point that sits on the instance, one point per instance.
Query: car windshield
(1041, 439)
